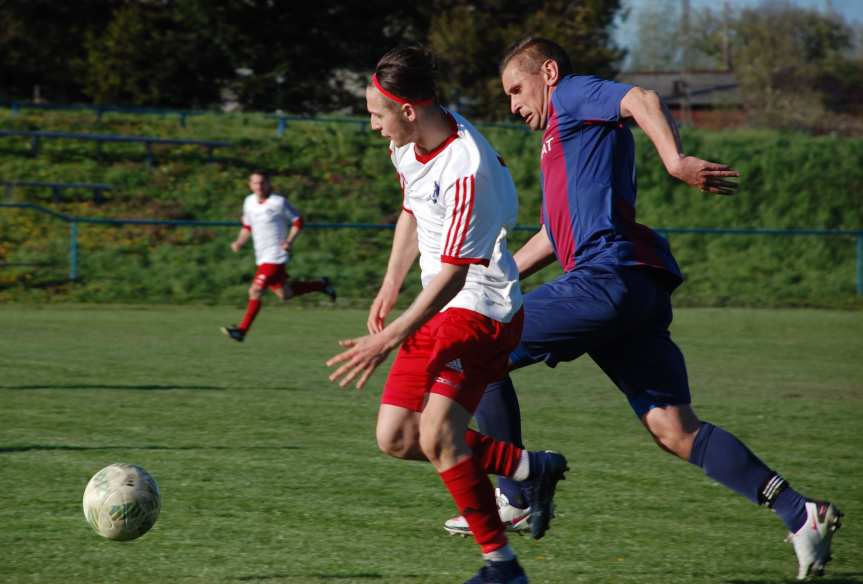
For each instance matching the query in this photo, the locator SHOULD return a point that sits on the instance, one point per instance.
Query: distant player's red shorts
(455, 354)
(270, 276)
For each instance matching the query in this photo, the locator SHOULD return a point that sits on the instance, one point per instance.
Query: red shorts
(455, 354)
(270, 276)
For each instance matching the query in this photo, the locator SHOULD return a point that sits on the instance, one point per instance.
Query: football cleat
(234, 332)
(500, 573)
(329, 289)
(514, 519)
(540, 491)
(812, 541)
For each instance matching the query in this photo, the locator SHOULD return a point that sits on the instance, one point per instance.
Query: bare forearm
(242, 237)
(443, 288)
(648, 111)
(404, 252)
(651, 115)
(293, 234)
(534, 255)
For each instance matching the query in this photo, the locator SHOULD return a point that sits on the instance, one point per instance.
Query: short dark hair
(261, 173)
(533, 51)
(408, 72)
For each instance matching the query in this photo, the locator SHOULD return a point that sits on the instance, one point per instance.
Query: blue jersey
(588, 181)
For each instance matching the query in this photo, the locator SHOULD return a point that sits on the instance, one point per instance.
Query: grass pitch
(270, 474)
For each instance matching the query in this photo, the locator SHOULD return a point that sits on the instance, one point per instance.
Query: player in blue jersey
(613, 300)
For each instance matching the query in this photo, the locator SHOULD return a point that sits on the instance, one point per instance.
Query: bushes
(337, 173)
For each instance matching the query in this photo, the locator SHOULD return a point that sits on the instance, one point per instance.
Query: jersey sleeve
(586, 97)
(471, 224)
(245, 219)
(292, 215)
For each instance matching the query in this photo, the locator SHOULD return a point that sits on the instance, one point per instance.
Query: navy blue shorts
(617, 315)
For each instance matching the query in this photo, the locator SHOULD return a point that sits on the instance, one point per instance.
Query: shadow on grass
(327, 577)
(31, 447)
(847, 578)
(108, 386)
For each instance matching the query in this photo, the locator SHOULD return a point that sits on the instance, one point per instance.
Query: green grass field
(270, 474)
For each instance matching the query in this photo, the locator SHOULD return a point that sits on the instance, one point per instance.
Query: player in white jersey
(266, 217)
(459, 204)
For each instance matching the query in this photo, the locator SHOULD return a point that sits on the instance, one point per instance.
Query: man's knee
(255, 292)
(397, 442)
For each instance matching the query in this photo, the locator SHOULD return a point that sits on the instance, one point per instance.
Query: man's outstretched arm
(651, 115)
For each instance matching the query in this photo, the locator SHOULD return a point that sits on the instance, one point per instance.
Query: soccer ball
(122, 502)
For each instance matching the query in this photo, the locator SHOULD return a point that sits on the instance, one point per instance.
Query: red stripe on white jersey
(454, 216)
(469, 213)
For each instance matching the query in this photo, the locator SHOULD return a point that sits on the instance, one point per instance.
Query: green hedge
(341, 173)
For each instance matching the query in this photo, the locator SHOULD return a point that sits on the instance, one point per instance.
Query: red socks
(251, 312)
(494, 457)
(474, 497)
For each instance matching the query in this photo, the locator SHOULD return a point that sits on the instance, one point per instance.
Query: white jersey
(465, 204)
(269, 222)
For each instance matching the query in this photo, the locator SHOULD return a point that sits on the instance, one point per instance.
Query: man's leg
(252, 308)
(443, 426)
(499, 416)
(238, 333)
(649, 368)
(298, 288)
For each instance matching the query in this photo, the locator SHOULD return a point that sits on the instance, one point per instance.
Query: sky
(851, 10)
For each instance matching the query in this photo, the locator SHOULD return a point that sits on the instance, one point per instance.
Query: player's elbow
(639, 101)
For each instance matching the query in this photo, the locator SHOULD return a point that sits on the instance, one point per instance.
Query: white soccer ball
(122, 502)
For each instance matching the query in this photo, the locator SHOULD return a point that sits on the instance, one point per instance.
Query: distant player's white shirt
(465, 203)
(269, 223)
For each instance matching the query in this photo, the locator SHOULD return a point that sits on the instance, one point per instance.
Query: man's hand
(709, 177)
(381, 307)
(235, 246)
(287, 245)
(363, 356)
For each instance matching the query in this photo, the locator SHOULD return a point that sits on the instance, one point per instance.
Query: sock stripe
(773, 487)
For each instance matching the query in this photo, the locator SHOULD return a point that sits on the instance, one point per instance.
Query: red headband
(395, 97)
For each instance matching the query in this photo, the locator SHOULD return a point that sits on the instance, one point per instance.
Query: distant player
(459, 205)
(613, 301)
(266, 217)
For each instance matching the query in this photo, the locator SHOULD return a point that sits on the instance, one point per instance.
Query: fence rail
(74, 220)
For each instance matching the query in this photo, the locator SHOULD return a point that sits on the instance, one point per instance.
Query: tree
(37, 40)
(470, 38)
(167, 54)
(783, 56)
(657, 38)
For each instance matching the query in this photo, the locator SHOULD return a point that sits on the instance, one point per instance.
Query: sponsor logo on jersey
(546, 146)
(435, 194)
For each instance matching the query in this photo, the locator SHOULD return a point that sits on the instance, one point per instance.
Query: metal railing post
(860, 263)
(73, 251)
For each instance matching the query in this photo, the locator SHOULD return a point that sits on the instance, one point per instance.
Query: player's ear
(550, 72)
(409, 112)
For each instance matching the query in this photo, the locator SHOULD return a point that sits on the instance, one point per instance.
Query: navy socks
(729, 462)
(498, 415)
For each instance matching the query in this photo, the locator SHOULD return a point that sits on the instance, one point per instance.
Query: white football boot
(812, 541)
(514, 519)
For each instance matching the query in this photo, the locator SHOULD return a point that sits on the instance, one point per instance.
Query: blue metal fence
(74, 220)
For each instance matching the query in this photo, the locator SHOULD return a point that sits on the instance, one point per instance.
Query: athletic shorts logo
(450, 382)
